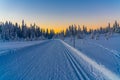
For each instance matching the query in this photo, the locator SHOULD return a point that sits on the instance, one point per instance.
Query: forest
(10, 31)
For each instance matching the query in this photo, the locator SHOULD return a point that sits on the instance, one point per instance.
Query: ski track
(93, 65)
(77, 68)
(50, 60)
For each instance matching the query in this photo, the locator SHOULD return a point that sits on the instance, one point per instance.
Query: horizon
(63, 29)
(58, 15)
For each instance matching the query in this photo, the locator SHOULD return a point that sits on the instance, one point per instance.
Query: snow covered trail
(46, 61)
(49, 60)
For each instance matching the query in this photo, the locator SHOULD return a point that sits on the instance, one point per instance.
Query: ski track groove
(79, 72)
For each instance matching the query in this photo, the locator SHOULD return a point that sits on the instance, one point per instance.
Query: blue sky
(61, 13)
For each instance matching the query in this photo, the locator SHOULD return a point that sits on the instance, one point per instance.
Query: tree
(47, 33)
(79, 33)
(73, 32)
(52, 33)
(24, 30)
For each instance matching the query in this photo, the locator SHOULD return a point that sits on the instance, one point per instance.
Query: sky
(59, 14)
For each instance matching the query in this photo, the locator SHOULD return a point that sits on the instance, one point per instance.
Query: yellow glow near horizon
(59, 27)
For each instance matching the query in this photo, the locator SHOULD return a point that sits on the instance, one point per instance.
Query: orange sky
(58, 26)
(59, 14)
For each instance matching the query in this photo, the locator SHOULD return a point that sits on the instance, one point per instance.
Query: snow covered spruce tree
(79, 33)
(73, 32)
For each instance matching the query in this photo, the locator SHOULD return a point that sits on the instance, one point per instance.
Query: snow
(17, 44)
(7, 47)
(104, 52)
(46, 61)
(56, 60)
(93, 65)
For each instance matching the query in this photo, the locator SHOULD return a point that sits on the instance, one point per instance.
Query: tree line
(81, 32)
(10, 31)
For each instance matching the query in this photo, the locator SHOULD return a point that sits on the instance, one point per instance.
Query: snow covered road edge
(9, 50)
(101, 69)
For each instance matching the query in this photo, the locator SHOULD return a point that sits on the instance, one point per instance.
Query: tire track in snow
(107, 74)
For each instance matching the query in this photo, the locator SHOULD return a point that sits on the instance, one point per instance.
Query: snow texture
(102, 51)
(48, 60)
(89, 63)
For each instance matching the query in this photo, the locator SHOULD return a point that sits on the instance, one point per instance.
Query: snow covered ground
(6, 47)
(51, 60)
(104, 52)
(17, 44)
